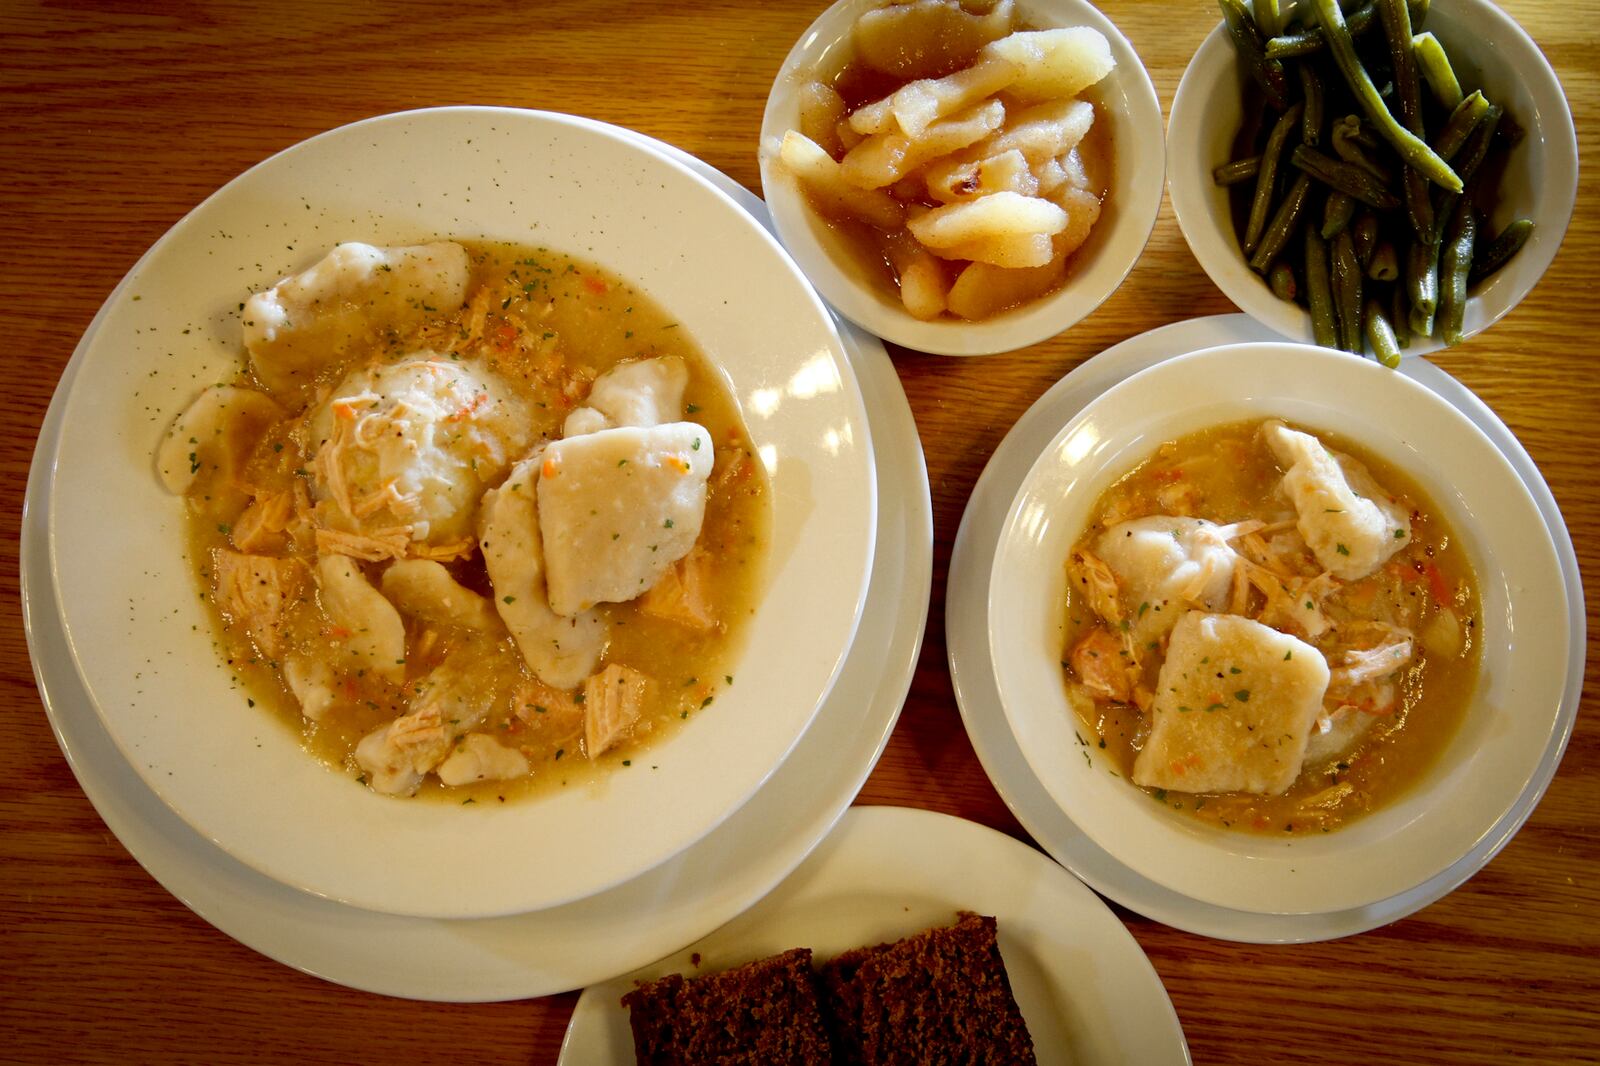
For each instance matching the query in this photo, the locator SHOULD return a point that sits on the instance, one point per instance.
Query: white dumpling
(646, 392)
(618, 508)
(406, 449)
(1164, 565)
(207, 446)
(310, 319)
(366, 632)
(560, 650)
(482, 758)
(1233, 708)
(423, 588)
(1347, 519)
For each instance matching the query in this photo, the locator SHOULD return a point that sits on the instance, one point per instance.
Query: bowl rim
(851, 462)
(1245, 871)
(1033, 322)
(1215, 246)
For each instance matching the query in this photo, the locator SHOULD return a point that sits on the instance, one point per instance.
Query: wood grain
(117, 117)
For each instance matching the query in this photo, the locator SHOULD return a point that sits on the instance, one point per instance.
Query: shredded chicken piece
(1359, 665)
(455, 549)
(380, 544)
(1292, 604)
(1099, 586)
(254, 590)
(477, 318)
(1101, 663)
(680, 595)
(260, 528)
(1220, 537)
(613, 699)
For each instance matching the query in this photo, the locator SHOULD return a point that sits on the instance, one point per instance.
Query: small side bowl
(1132, 202)
(1516, 705)
(1490, 52)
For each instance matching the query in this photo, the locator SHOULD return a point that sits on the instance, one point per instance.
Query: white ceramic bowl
(127, 593)
(1523, 638)
(1132, 202)
(1489, 51)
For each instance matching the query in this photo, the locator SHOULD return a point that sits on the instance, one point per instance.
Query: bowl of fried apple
(963, 178)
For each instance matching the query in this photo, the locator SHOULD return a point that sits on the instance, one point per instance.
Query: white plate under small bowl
(559, 948)
(967, 632)
(1085, 988)
(1522, 638)
(142, 639)
(1126, 100)
(1488, 51)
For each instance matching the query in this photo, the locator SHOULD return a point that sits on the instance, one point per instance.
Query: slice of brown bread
(765, 1012)
(941, 996)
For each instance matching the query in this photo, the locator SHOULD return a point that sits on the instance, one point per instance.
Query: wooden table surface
(117, 117)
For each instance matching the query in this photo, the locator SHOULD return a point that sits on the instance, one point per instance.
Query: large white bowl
(1489, 51)
(127, 593)
(1129, 105)
(1523, 632)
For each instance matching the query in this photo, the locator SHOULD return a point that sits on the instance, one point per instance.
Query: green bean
(1455, 264)
(1267, 176)
(1459, 126)
(1505, 245)
(1399, 318)
(1319, 291)
(1380, 334)
(1247, 40)
(1422, 285)
(1281, 278)
(1347, 292)
(1473, 153)
(1408, 97)
(1435, 68)
(1313, 98)
(1283, 224)
(1337, 212)
(1383, 264)
(1365, 233)
(1348, 145)
(1412, 150)
(1269, 20)
(1346, 177)
(1308, 41)
(1238, 170)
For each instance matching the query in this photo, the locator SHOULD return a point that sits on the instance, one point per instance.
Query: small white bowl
(142, 639)
(1489, 51)
(1132, 201)
(1523, 637)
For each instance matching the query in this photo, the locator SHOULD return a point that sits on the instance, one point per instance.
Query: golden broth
(553, 324)
(1433, 691)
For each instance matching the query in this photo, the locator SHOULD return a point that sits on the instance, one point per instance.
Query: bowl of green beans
(1379, 176)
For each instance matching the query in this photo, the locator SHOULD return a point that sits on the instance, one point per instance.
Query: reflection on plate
(967, 636)
(1085, 987)
(150, 659)
(566, 947)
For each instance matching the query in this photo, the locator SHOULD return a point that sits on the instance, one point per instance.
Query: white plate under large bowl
(1126, 101)
(142, 639)
(1085, 988)
(1488, 51)
(593, 939)
(1515, 709)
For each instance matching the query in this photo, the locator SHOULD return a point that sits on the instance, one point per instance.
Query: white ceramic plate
(563, 947)
(1129, 105)
(1086, 990)
(1489, 51)
(141, 637)
(967, 635)
(1515, 705)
